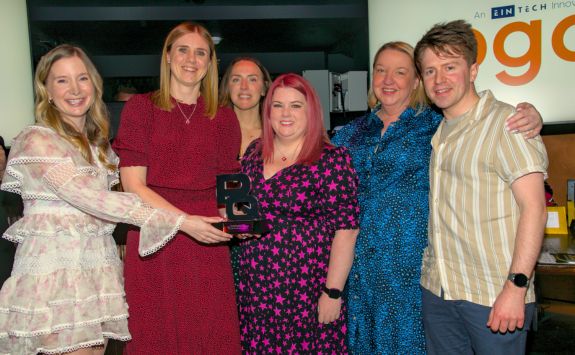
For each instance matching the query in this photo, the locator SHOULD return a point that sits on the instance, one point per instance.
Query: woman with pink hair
(291, 278)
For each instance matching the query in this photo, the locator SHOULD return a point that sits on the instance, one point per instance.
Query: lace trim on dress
(40, 196)
(15, 186)
(85, 345)
(60, 174)
(115, 181)
(114, 175)
(46, 265)
(16, 234)
(42, 310)
(159, 245)
(61, 327)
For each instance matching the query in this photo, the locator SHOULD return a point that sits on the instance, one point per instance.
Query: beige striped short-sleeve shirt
(473, 214)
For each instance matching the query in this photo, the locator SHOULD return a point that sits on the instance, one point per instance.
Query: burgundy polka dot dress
(282, 273)
(181, 298)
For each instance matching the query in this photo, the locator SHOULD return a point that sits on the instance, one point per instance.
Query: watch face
(332, 292)
(520, 280)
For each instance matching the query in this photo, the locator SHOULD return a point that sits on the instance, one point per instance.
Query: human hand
(508, 311)
(328, 309)
(526, 120)
(200, 228)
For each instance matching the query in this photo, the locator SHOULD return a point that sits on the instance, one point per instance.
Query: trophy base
(242, 227)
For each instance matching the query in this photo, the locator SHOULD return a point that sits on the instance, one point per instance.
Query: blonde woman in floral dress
(65, 293)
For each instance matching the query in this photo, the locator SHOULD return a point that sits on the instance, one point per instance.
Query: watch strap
(332, 292)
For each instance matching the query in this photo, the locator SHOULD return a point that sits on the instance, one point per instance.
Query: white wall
(550, 42)
(16, 92)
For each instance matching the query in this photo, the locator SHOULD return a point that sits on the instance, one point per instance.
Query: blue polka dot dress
(384, 298)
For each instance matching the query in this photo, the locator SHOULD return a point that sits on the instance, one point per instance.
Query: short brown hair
(451, 38)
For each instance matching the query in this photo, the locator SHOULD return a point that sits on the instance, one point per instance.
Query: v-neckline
(277, 173)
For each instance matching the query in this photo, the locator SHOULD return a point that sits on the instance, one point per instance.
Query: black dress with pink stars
(282, 273)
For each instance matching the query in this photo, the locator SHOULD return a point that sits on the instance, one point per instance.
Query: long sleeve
(44, 166)
(80, 190)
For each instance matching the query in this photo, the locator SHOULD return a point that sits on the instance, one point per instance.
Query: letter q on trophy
(242, 209)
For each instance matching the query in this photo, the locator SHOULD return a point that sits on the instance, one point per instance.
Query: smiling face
(394, 79)
(288, 114)
(70, 89)
(189, 59)
(246, 85)
(448, 81)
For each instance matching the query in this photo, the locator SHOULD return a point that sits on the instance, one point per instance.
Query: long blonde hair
(418, 100)
(97, 125)
(209, 86)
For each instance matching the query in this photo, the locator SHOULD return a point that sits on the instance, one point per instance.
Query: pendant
(284, 158)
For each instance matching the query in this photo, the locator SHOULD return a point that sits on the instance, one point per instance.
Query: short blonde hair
(209, 86)
(418, 100)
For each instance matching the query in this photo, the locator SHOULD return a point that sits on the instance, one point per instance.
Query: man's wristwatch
(519, 280)
(332, 292)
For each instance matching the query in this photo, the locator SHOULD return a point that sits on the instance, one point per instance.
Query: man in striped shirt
(487, 208)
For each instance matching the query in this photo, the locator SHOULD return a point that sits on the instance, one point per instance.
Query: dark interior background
(124, 37)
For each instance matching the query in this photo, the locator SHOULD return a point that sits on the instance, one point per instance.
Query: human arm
(526, 120)
(134, 181)
(340, 261)
(340, 190)
(198, 227)
(132, 144)
(508, 311)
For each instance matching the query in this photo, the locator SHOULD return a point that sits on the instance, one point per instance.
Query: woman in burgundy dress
(172, 143)
(292, 277)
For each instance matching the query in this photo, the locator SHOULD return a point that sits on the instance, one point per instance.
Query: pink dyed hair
(315, 135)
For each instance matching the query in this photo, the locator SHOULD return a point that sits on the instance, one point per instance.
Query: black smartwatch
(519, 280)
(332, 292)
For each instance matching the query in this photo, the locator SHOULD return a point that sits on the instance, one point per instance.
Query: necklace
(183, 114)
(284, 156)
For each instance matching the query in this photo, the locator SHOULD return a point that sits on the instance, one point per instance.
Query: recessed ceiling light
(216, 39)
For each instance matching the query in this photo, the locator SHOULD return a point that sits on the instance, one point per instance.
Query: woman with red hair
(291, 278)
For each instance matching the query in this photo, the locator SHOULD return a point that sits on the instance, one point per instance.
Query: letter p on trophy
(242, 209)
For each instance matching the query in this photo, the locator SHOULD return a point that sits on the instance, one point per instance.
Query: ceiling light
(216, 39)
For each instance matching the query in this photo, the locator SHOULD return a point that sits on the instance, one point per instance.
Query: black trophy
(242, 209)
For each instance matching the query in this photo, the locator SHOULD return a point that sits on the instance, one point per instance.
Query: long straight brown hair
(209, 86)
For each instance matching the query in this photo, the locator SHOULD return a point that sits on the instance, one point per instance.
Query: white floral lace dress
(66, 288)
